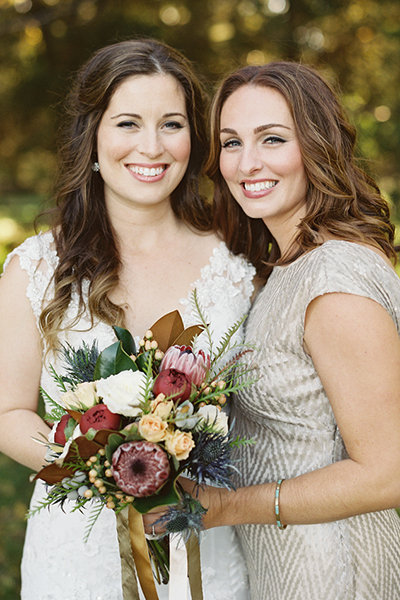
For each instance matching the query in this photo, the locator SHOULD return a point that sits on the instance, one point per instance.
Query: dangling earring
(96, 167)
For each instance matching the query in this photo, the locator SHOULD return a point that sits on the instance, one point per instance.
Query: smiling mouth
(148, 171)
(258, 186)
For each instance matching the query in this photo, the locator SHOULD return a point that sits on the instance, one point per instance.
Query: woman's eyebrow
(135, 116)
(258, 129)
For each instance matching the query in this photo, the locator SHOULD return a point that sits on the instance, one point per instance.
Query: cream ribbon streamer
(184, 568)
(178, 569)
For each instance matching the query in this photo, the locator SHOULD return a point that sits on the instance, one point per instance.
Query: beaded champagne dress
(57, 564)
(289, 414)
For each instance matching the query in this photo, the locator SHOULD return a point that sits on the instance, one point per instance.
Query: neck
(284, 230)
(143, 228)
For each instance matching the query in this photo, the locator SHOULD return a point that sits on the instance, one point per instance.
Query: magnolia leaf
(53, 473)
(167, 329)
(81, 448)
(76, 415)
(114, 440)
(141, 361)
(166, 496)
(125, 337)
(186, 337)
(103, 435)
(113, 360)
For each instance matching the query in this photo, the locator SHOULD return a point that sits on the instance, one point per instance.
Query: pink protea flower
(140, 468)
(183, 359)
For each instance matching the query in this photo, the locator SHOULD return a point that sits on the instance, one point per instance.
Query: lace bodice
(56, 562)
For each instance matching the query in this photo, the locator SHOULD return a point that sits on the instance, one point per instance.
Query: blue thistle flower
(80, 363)
(184, 518)
(210, 459)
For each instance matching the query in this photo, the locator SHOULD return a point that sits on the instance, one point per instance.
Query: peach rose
(152, 428)
(161, 408)
(179, 444)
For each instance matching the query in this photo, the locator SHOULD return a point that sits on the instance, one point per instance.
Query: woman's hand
(150, 518)
(215, 501)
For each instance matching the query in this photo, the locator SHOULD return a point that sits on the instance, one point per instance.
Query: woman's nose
(150, 144)
(250, 161)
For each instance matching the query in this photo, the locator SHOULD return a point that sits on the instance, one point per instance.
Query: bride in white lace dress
(132, 237)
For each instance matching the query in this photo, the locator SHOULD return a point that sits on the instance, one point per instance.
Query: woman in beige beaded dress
(314, 510)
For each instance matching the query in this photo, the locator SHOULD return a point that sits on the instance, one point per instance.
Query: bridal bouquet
(131, 419)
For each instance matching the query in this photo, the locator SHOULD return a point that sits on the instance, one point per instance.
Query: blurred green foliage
(355, 44)
(15, 491)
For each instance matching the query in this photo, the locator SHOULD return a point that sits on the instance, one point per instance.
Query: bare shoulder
(13, 275)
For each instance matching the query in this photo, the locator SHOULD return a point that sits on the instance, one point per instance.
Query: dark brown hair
(341, 198)
(85, 241)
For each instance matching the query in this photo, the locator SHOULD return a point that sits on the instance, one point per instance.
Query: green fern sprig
(224, 344)
(233, 366)
(58, 379)
(147, 387)
(239, 442)
(94, 515)
(56, 495)
(199, 311)
(56, 412)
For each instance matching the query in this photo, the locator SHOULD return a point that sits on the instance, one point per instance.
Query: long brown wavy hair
(341, 198)
(84, 239)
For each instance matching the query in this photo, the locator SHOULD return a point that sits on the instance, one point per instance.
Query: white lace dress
(57, 564)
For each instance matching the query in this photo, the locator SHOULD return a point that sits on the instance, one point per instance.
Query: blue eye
(230, 144)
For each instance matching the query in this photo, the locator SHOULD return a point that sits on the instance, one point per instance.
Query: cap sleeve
(349, 268)
(37, 256)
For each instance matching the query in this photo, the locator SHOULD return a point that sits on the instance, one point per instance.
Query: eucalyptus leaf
(90, 434)
(113, 360)
(69, 428)
(125, 337)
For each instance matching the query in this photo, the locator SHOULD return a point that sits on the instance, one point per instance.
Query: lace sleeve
(38, 258)
(224, 291)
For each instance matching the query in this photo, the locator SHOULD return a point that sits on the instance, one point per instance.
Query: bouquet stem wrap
(135, 560)
(134, 556)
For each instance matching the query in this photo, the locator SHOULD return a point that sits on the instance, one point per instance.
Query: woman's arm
(355, 348)
(21, 362)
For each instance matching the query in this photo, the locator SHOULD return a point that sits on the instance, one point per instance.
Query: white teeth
(260, 185)
(152, 172)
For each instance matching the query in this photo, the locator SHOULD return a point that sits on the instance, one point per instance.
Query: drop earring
(96, 167)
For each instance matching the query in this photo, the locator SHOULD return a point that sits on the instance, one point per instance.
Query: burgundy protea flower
(140, 468)
(171, 382)
(183, 359)
(99, 417)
